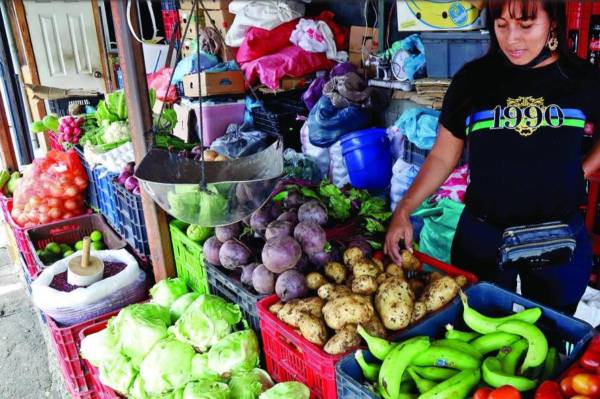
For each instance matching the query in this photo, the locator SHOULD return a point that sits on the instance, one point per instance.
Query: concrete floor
(28, 365)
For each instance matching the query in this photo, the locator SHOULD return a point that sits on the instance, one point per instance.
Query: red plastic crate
(290, 357)
(53, 141)
(102, 391)
(21, 240)
(66, 340)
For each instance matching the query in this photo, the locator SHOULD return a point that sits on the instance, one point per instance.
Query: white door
(65, 44)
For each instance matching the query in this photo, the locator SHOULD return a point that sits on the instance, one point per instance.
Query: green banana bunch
(451, 333)
(495, 377)
(378, 347)
(370, 370)
(434, 373)
(550, 364)
(510, 360)
(538, 344)
(441, 356)
(462, 346)
(492, 342)
(397, 360)
(484, 324)
(457, 387)
(423, 385)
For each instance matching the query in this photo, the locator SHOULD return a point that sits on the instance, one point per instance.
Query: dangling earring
(552, 42)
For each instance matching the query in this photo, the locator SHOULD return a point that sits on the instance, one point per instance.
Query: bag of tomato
(52, 189)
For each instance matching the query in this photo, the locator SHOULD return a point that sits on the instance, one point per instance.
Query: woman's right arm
(438, 165)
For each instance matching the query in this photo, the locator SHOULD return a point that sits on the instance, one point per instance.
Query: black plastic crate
(230, 288)
(61, 107)
(280, 116)
(131, 221)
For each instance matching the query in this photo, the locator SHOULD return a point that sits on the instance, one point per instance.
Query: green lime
(79, 245)
(96, 236)
(54, 248)
(67, 254)
(64, 248)
(97, 246)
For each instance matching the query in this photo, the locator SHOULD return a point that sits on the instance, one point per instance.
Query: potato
(394, 303)
(313, 329)
(409, 261)
(291, 312)
(439, 293)
(353, 255)
(461, 281)
(419, 311)
(378, 263)
(416, 286)
(375, 327)
(276, 307)
(364, 285)
(221, 158)
(210, 155)
(365, 268)
(336, 272)
(329, 291)
(345, 339)
(351, 309)
(315, 280)
(382, 277)
(431, 277)
(394, 270)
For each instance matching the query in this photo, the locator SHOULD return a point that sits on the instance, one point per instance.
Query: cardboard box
(429, 15)
(208, 4)
(185, 15)
(214, 83)
(358, 33)
(223, 20)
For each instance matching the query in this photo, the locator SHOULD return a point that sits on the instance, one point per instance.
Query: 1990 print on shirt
(525, 130)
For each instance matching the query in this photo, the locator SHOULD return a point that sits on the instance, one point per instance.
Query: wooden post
(140, 123)
(9, 160)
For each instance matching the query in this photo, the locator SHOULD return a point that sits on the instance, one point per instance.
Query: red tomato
(587, 384)
(549, 390)
(378, 255)
(505, 392)
(590, 360)
(595, 344)
(482, 393)
(574, 370)
(566, 386)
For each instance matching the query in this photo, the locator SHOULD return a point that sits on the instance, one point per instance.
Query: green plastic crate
(189, 259)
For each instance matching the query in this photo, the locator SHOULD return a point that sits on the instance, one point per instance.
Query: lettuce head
(250, 385)
(101, 346)
(206, 390)
(167, 291)
(201, 371)
(287, 390)
(118, 373)
(167, 366)
(181, 304)
(237, 352)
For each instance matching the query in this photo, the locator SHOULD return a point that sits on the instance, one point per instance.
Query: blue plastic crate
(131, 221)
(567, 334)
(447, 52)
(107, 199)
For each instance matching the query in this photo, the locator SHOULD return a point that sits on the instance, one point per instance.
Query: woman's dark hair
(556, 12)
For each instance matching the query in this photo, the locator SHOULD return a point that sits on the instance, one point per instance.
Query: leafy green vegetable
(280, 196)
(166, 291)
(118, 373)
(373, 226)
(339, 206)
(250, 385)
(287, 390)
(206, 321)
(37, 127)
(375, 244)
(204, 390)
(237, 352)
(138, 327)
(50, 122)
(181, 304)
(307, 192)
(167, 366)
(100, 347)
(201, 371)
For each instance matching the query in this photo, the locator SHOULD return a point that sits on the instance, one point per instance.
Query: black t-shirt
(524, 128)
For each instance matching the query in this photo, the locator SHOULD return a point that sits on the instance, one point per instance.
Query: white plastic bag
(316, 37)
(114, 160)
(43, 295)
(321, 155)
(264, 14)
(339, 171)
(403, 174)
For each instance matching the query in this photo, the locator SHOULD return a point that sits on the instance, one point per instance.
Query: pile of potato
(363, 291)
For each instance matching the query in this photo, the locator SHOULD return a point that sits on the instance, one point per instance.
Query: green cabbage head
(201, 371)
(181, 304)
(100, 347)
(287, 390)
(237, 352)
(166, 291)
(118, 373)
(250, 385)
(206, 390)
(167, 366)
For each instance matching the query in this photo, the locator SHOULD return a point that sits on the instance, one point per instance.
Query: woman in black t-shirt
(522, 109)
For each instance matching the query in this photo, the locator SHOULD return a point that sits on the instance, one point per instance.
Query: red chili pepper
(549, 390)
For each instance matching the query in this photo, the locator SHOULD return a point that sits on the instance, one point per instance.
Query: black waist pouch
(537, 246)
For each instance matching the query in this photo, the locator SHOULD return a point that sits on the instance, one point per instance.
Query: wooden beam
(100, 38)
(7, 151)
(140, 123)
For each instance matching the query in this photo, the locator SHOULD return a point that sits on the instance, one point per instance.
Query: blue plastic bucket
(368, 158)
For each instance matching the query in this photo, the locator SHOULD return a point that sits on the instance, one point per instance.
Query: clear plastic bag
(237, 143)
(301, 166)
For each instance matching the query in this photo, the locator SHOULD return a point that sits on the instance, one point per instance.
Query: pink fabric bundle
(455, 186)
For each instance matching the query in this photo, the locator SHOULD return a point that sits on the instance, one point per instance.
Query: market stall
(216, 228)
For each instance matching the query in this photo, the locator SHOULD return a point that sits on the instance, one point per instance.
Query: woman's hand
(400, 229)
